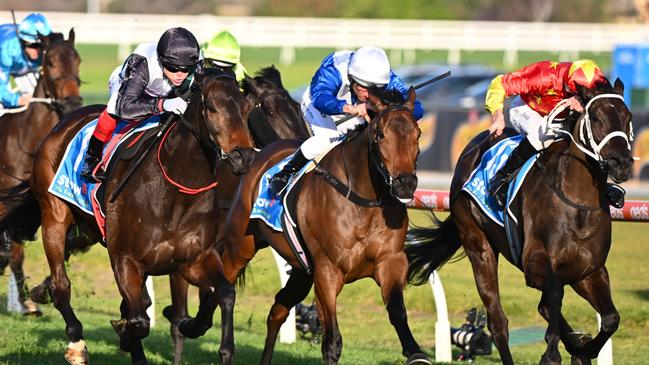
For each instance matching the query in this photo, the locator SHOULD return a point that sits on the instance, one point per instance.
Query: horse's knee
(610, 322)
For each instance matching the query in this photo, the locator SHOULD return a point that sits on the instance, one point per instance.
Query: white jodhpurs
(531, 124)
(324, 130)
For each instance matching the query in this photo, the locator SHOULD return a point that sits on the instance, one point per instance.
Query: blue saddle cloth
(478, 183)
(68, 183)
(268, 207)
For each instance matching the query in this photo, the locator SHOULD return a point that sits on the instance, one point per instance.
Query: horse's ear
(71, 36)
(375, 101)
(412, 96)
(619, 86)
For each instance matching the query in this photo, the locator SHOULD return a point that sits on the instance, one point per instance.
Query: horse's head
(225, 111)
(394, 142)
(61, 72)
(267, 92)
(605, 128)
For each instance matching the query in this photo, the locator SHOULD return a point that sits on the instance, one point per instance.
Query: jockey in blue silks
(340, 85)
(20, 57)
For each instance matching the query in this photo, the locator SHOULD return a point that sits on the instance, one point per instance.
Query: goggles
(177, 68)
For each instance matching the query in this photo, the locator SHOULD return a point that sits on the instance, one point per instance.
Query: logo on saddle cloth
(477, 186)
(68, 183)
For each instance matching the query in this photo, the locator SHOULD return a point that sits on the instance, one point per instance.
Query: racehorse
(23, 129)
(346, 241)
(157, 224)
(566, 229)
(276, 115)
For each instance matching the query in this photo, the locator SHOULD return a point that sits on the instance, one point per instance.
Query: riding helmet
(585, 73)
(32, 26)
(223, 49)
(369, 66)
(179, 48)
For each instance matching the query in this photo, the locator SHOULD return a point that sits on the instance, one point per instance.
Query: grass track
(368, 336)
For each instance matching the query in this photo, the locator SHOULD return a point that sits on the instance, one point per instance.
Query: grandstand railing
(291, 33)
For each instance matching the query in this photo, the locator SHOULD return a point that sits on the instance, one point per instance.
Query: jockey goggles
(35, 45)
(178, 68)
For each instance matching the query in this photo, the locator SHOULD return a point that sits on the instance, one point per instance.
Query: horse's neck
(351, 160)
(574, 172)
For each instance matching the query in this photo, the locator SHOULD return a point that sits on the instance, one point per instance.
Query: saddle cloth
(68, 183)
(477, 186)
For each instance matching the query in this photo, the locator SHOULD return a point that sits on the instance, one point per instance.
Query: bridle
(587, 143)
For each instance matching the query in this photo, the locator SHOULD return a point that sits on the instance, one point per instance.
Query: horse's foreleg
(296, 289)
(549, 305)
(485, 270)
(596, 289)
(176, 312)
(390, 276)
(328, 284)
(54, 229)
(130, 280)
(17, 260)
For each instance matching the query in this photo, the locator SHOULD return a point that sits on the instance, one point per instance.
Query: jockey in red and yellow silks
(538, 88)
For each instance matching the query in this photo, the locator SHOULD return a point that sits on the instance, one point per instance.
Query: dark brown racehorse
(566, 226)
(346, 241)
(57, 93)
(276, 115)
(152, 228)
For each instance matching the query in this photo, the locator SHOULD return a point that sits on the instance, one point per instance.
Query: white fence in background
(403, 37)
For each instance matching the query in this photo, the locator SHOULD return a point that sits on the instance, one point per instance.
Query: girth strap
(344, 190)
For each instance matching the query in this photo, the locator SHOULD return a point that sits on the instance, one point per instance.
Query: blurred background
(475, 39)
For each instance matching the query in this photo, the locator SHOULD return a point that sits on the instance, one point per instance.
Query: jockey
(340, 85)
(223, 51)
(148, 83)
(20, 57)
(538, 87)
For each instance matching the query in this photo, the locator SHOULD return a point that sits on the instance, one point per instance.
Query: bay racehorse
(276, 115)
(165, 218)
(566, 226)
(346, 241)
(23, 129)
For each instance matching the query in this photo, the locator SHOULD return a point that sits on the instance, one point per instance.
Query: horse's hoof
(138, 327)
(77, 353)
(418, 359)
(578, 340)
(40, 294)
(31, 309)
(168, 313)
(575, 360)
(188, 328)
(119, 326)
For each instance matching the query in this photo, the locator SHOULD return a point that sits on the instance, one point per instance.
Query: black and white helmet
(178, 49)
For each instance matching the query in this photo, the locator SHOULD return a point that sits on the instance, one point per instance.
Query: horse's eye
(380, 134)
(211, 109)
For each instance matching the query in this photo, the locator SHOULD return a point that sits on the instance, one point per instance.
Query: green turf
(367, 335)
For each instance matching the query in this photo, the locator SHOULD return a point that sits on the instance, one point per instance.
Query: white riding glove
(175, 105)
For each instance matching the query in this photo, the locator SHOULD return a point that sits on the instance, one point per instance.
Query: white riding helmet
(369, 66)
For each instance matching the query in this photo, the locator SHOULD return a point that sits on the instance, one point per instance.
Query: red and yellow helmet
(585, 73)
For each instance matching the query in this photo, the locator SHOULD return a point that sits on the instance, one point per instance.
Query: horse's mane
(216, 72)
(270, 74)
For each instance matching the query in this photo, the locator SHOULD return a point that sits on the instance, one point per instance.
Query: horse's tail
(22, 215)
(429, 248)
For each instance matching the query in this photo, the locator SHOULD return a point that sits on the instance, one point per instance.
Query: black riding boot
(615, 194)
(280, 179)
(93, 157)
(518, 157)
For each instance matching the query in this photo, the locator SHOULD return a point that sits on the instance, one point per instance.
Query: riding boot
(498, 183)
(280, 179)
(92, 159)
(615, 194)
